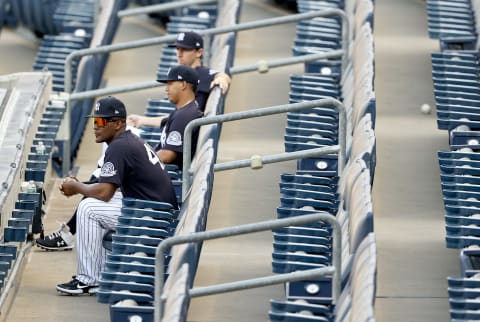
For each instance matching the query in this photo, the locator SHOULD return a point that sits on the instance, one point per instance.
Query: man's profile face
(174, 89)
(104, 129)
(188, 56)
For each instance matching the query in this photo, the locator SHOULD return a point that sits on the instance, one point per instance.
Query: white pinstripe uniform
(94, 218)
(135, 168)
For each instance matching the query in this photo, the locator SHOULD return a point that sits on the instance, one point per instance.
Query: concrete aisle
(413, 261)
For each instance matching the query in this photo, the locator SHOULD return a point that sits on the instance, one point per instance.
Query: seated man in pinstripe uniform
(130, 165)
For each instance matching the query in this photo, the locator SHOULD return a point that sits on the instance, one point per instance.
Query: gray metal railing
(262, 66)
(162, 7)
(342, 132)
(207, 32)
(257, 161)
(241, 230)
(114, 90)
(171, 38)
(261, 281)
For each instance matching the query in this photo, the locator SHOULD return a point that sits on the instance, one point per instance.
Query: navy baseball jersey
(206, 76)
(133, 166)
(173, 127)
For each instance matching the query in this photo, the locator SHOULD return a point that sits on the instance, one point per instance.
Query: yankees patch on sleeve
(108, 170)
(174, 138)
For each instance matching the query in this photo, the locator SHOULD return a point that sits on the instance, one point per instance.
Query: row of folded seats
(454, 23)
(325, 33)
(321, 184)
(27, 216)
(37, 16)
(455, 79)
(65, 26)
(28, 94)
(77, 26)
(127, 283)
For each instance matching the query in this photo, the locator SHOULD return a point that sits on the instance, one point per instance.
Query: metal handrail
(241, 230)
(256, 162)
(261, 281)
(187, 145)
(262, 67)
(114, 90)
(205, 32)
(170, 38)
(161, 7)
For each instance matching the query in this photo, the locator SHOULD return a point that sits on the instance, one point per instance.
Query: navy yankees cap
(181, 73)
(188, 40)
(109, 107)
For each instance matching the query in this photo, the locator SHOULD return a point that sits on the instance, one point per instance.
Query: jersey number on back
(152, 156)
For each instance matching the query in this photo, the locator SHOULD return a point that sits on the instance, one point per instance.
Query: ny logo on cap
(181, 36)
(97, 107)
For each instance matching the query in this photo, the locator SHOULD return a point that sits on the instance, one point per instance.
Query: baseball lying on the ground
(426, 109)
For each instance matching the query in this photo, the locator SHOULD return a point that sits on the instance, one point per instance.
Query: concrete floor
(413, 261)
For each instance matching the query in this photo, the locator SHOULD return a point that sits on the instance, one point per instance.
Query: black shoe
(61, 239)
(75, 287)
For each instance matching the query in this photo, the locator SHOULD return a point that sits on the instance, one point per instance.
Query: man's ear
(119, 124)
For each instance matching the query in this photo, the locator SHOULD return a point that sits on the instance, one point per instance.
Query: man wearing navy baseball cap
(189, 49)
(129, 165)
(188, 40)
(109, 107)
(181, 73)
(181, 83)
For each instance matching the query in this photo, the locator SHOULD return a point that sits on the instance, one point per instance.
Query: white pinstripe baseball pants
(94, 218)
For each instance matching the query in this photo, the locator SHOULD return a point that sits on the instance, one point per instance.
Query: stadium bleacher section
(25, 98)
(353, 85)
(454, 69)
(319, 184)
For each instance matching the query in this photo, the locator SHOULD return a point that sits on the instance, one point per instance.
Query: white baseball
(425, 108)
(326, 71)
(203, 15)
(80, 33)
